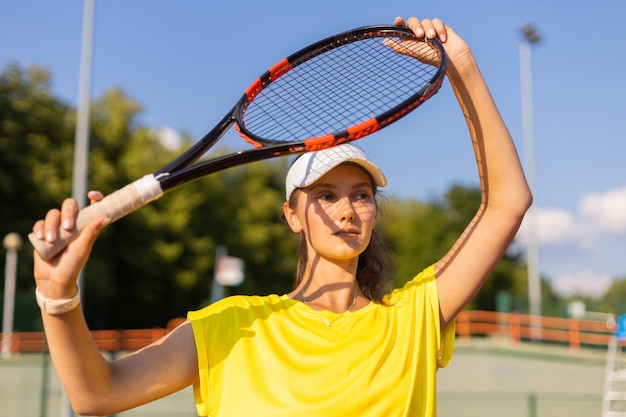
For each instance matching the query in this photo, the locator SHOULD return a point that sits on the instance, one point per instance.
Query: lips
(347, 232)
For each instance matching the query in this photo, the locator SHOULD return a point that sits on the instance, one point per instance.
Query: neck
(328, 284)
(339, 300)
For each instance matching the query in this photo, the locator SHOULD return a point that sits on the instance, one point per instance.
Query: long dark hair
(375, 269)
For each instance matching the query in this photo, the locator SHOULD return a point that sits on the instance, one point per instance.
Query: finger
(38, 229)
(398, 21)
(94, 196)
(429, 29)
(416, 26)
(51, 226)
(394, 44)
(441, 29)
(69, 208)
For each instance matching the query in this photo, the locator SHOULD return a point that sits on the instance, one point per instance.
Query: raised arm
(505, 194)
(94, 385)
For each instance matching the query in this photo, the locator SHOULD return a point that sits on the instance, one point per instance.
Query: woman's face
(336, 214)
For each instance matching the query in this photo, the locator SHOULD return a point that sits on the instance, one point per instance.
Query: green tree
(614, 300)
(34, 146)
(252, 228)
(419, 234)
(36, 132)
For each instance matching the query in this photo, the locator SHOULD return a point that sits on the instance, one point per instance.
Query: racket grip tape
(115, 206)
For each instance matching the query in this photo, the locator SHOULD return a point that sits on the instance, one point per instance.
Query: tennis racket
(337, 90)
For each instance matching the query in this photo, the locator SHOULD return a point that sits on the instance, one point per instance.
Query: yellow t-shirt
(274, 356)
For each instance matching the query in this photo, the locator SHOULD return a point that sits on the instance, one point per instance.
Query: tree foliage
(422, 233)
(614, 300)
(35, 146)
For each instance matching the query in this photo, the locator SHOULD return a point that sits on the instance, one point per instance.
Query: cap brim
(311, 166)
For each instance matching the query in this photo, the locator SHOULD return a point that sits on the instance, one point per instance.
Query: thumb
(87, 237)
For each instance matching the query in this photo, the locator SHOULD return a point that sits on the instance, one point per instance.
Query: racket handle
(116, 205)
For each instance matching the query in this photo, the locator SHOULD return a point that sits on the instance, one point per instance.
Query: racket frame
(179, 171)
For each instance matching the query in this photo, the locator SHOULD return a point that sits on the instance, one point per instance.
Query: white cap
(311, 166)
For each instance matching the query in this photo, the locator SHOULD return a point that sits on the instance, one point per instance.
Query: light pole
(12, 242)
(530, 37)
(81, 138)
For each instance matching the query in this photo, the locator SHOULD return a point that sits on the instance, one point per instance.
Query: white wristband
(56, 307)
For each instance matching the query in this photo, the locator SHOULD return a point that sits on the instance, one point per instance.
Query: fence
(517, 327)
(106, 340)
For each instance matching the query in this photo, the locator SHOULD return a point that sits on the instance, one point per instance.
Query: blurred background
(161, 73)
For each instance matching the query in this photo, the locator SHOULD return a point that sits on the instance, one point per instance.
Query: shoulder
(238, 305)
(422, 283)
(426, 276)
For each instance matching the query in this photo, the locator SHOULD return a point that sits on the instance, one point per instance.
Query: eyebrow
(333, 186)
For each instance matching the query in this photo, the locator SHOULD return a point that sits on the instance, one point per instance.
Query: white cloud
(599, 215)
(582, 250)
(553, 227)
(169, 137)
(606, 211)
(583, 282)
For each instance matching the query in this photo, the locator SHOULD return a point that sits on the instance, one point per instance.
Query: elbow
(526, 201)
(94, 407)
(85, 412)
(514, 206)
(521, 200)
(522, 204)
(90, 411)
(86, 409)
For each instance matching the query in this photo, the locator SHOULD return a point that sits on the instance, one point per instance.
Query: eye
(363, 195)
(326, 196)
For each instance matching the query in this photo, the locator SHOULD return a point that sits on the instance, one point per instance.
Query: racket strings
(337, 88)
(310, 97)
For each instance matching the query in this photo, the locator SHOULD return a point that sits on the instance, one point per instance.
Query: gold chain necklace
(319, 316)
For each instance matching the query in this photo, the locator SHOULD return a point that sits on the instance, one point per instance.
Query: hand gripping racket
(337, 90)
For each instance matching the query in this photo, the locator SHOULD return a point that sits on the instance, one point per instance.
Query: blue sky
(187, 62)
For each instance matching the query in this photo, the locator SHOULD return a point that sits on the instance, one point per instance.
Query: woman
(338, 343)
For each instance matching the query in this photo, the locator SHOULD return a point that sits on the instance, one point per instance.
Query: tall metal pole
(81, 140)
(11, 242)
(534, 282)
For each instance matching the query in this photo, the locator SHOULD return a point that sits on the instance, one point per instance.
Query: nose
(347, 210)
